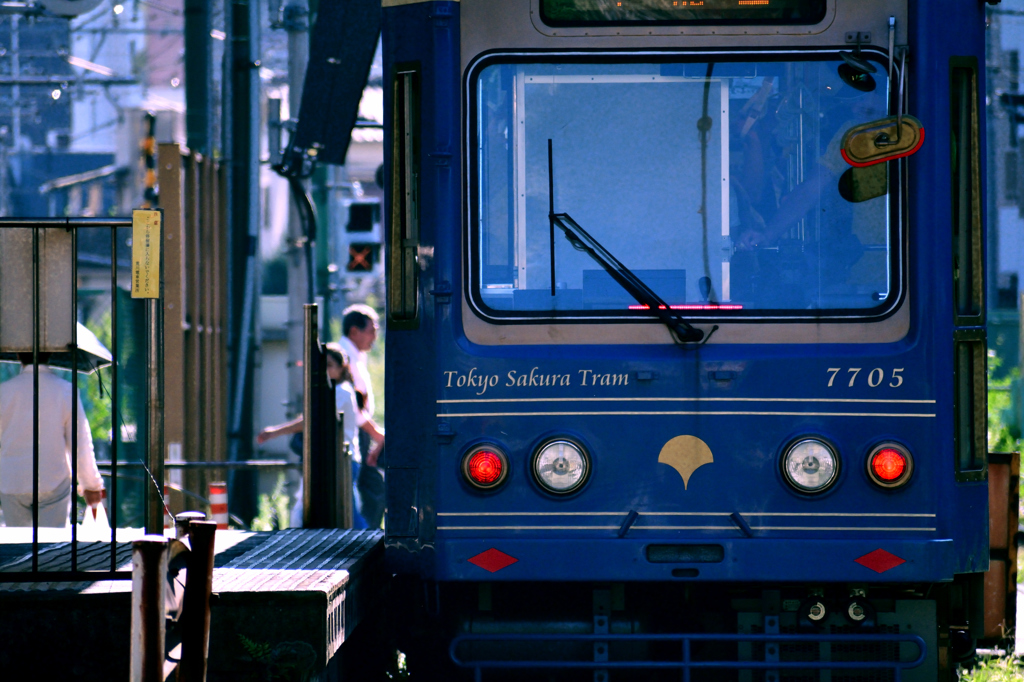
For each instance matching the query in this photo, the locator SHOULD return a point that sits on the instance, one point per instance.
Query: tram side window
(970, 376)
(720, 185)
(403, 236)
(966, 188)
(970, 405)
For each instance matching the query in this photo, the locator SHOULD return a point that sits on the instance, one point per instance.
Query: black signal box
(361, 217)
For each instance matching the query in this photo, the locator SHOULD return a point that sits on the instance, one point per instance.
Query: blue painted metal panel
(595, 556)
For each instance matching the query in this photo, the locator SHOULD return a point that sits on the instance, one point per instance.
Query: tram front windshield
(720, 185)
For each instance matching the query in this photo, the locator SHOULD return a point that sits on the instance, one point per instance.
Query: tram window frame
(970, 405)
(475, 265)
(965, 183)
(403, 229)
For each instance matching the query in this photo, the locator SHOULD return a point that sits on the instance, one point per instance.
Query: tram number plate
(875, 377)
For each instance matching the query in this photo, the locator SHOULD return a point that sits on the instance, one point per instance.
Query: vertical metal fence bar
(154, 418)
(209, 225)
(307, 411)
(115, 427)
(35, 399)
(195, 403)
(74, 395)
(222, 413)
(172, 177)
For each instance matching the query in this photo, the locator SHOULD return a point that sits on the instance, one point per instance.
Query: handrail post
(183, 523)
(195, 633)
(310, 338)
(345, 515)
(149, 575)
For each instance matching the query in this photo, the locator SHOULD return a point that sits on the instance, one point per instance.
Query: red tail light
(890, 465)
(485, 467)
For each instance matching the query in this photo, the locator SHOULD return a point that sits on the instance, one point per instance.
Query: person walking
(359, 325)
(56, 422)
(354, 422)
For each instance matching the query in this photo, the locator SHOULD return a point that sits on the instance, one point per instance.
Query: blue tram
(686, 337)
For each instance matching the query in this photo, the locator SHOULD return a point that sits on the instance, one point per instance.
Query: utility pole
(198, 76)
(240, 132)
(296, 23)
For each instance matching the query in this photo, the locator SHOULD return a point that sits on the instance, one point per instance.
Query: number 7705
(875, 377)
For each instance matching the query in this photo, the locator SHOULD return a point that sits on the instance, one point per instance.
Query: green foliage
(397, 668)
(284, 662)
(1004, 432)
(1004, 669)
(375, 361)
(96, 400)
(257, 651)
(273, 509)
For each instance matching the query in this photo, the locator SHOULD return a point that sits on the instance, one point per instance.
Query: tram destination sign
(652, 12)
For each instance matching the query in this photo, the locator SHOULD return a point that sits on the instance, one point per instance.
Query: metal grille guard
(686, 664)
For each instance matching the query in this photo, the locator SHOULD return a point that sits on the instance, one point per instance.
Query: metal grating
(296, 560)
(56, 559)
(293, 561)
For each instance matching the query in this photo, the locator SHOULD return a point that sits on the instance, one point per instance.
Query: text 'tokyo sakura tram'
(686, 338)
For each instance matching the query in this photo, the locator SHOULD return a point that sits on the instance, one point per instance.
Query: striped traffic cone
(219, 504)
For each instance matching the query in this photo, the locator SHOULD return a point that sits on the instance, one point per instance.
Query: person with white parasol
(56, 423)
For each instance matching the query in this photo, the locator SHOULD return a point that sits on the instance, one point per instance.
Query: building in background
(1005, 213)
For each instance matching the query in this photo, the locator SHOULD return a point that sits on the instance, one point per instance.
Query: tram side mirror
(856, 71)
(886, 139)
(864, 184)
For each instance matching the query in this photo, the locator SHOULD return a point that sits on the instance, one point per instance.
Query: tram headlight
(890, 465)
(561, 466)
(810, 465)
(485, 467)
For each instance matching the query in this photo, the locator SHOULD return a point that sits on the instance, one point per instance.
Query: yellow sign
(146, 231)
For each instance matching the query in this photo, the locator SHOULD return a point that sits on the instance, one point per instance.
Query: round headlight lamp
(810, 465)
(561, 466)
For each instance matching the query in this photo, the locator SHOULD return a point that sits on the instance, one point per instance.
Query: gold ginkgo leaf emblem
(686, 454)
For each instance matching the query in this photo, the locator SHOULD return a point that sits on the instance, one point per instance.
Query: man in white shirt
(359, 325)
(56, 421)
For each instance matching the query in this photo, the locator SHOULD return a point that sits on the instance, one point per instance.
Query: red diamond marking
(493, 560)
(880, 561)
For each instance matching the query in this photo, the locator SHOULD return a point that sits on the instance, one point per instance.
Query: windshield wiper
(682, 331)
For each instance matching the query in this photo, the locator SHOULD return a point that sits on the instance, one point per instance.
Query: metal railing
(66, 230)
(182, 415)
(184, 377)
